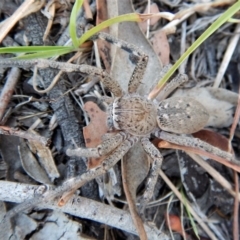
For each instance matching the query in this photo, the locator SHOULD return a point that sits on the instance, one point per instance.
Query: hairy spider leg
(107, 146)
(107, 163)
(196, 143)
(157, 158)
(171, 86)
(139, 57)
(106, 79)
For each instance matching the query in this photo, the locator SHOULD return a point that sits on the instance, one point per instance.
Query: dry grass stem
(191, 210)
(27, 7)
(8, 90)
(227, 56)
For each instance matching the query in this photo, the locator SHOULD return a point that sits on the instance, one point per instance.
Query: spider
(136, 118)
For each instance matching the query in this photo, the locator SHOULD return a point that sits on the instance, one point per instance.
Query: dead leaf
(161, 47)
(174, 223)
(94, 131)
(131, 178)
(153, 9)
(159, 39)
(44, 157)
(137, 168)
(30, 164)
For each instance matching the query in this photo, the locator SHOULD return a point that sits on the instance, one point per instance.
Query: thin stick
(8, 89)
(236, 209)
(27, 7)
(216, 175)
(23, 134)
(227, 56)
(178, 194)
(77, 206)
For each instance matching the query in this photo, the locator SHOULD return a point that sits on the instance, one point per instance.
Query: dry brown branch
(51, 13)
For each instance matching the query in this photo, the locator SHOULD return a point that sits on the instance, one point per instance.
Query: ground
(37, 127)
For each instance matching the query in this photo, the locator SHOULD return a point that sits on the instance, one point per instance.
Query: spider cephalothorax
(131, 109)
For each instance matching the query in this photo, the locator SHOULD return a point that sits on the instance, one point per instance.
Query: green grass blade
(31, 49)
(189, 215)
(73, 21)
(216, 25)
(45, 54)
(131, 17)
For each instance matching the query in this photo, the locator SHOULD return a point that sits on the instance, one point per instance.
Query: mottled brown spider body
(128, 110)
(182, 115)
(139, 116)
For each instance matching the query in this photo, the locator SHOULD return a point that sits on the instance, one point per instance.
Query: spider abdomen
(181, 115)
(134, 114)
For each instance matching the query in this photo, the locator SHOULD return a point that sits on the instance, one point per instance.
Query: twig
(56, 78)
(23, 134)
(77, 206)
(191, 210)
(215, 174)
(222, 181)
(236, 209)
(8, 89)
(25, 9)
(227, 56)
(51, 12)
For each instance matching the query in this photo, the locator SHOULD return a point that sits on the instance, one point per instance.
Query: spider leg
(108, 163)
(154, 153)
(106, 79)
(104, 148)
(170, 86)
(139, 57)
(72, 184)
(195, 143)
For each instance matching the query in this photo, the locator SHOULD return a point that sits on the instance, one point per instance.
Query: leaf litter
(221, 104)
